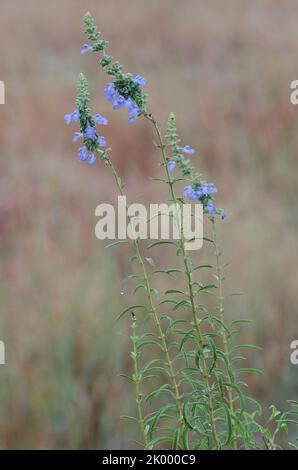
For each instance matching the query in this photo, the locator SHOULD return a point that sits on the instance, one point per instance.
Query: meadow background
(226, 72)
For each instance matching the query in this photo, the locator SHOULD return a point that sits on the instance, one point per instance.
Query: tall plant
(190, 394)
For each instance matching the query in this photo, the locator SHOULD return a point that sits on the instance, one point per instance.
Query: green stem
(137, 381)
(162, 336)
(221, 310)
(188, 274)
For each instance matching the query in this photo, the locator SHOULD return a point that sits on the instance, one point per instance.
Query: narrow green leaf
(202, 266)
(118, 242)
(185, 417)
(174, 291)
(168, 301)
(251, 370)
(156, 393)
(247, 346)
(161, 242)
(239, 393)
(175, 442)
(229, 425)
(130, 308)
(185, 438)
(129, 418)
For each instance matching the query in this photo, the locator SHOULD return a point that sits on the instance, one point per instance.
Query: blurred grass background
(226, 73)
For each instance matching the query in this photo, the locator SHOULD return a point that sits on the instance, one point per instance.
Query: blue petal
(73, 117)
(141, 81)
(86, 48)
(187, 149)
(91, 159)
(171, 166)
(99, 119)
(90, 132)
(211, 209)
(76, 137)
(82, 154)
(101, 141)
(67, 118)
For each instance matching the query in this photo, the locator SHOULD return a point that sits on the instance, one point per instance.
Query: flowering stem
(162, 336)
(221, 310)
(188, 274)
(137, 381)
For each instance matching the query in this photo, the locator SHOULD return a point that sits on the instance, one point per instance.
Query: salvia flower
(198, 190)
(85, 156)
(92, 141)
(125, 90)
(76, 137)
(85, 49)
(91, 159)
(118, 101)
(210, 208)
(133, 110)
(190, 193)
(113, 96)
(203, 194)
(90, 132)
(82, 154)
(72, 117)
(188, 150)
(171, 166)
(141, 81)
(203, 191)
(100, 120)
(101, 141)
(206, 189)
(211, 189)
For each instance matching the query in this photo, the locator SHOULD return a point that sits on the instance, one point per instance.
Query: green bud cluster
(93, 34)
(185, 166)
(124, 83)
(82, 102)
(86, 118)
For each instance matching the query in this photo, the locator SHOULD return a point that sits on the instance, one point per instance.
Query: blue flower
(101, 141)
(207, 189)
(171, 166)
(204, 195)
(86, 48)
(133, 110)
(190, 193)
(222, 215)
(211, 189)
(85, 156)
(201, 192)
(91, 159)
(187, 149)
(76, 137)
(210, 208)
(82, 154)
(113, 96)
(73, 117)
(118, 101)
(141, 81)
(100, 120)
(90, 132)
